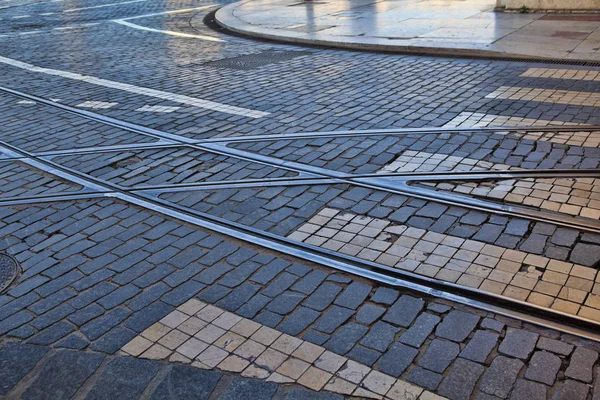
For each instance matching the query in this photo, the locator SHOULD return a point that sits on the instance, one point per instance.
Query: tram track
(149, 198)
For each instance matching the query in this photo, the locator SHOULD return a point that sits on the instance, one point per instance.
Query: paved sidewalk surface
(438, 27)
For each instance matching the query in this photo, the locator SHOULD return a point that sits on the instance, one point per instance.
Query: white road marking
(159, 94)
(172, 33)
(103, 5)
(183, 10)
(64, 28)
(158, 109)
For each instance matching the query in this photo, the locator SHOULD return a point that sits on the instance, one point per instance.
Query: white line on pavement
(172, 33)
(53, 30)
(159, 94)
(168, 12)
(103, 5)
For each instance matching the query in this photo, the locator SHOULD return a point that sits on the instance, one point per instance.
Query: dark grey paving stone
(518, 343)
(185, 382)
(404, 311)
(527, 390)
(425, 378)
(543, 367)
(363, 355)
(554, 346)
(384, 295)
(308, 283)
(500, 376)
(52, 334)
(571, 390)
(240, 388)
(439, 355)
(303, 394)
(354, 295)
(315, 337)
(285, 302)
(493, 324)
(268, 318)
(480, 346)
(397, 359)
(73, 341)
(585, 254)
(457, 325)
(345, 338)
(322, 297)
(332, 319)
(62, 375)
(124, 378)
(460, 382)
(368, 313)
(298, 321)
(420, 330)
(438, 308)
(581, 364)
(380, 336)
(16, 360)
(113, 340)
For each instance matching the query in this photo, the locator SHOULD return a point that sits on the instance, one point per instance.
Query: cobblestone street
(191, 214)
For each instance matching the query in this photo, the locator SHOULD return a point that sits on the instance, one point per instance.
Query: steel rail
(473, 297)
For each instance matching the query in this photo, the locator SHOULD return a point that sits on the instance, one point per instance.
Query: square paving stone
(354, 295)
(322, 297)
(480, 346)
(63, 374)
(384, 295)
(457, 325)
(571, 390)
(241, 388)
(345, 338)
(397, 359)
(543, 367)
(332, 319)
(368, 313)
(555, 346)
(123, 378)
(581, 364)
(404, 311)
(439, 355)
(460, 382)
(16, 360)
(420, 330)
(518, 343)
(527, 390)
(500, 376)
(380, 336)
(185, 382)
(424, 378)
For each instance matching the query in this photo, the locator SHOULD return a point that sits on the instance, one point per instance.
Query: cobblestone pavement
(180, 235)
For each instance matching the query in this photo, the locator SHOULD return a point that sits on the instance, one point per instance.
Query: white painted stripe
(172, 33)
(159, 94)
(103, 5)
(183, 10)
(54, 30)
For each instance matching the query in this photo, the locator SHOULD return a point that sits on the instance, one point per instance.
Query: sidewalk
(432, 26)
